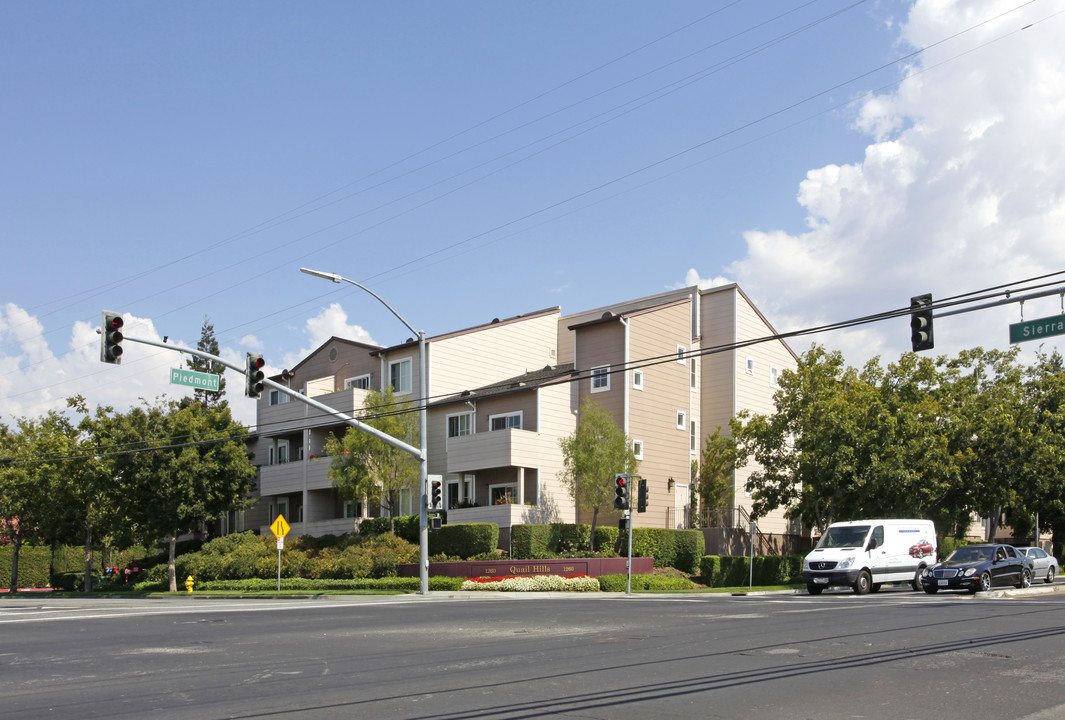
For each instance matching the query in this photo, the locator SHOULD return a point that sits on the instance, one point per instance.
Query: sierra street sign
(192, 378)
(1036, 329)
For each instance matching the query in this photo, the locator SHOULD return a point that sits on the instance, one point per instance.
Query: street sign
(280, 527)
(281, 543)
(1036, 329)
(195, 379)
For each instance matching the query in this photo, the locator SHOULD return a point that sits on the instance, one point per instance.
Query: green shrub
(735, 570)
(464, 540)
(32, 566)
(644, 583)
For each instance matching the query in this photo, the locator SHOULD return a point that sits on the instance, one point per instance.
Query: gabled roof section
(739, 291)
(332, 341)
(526, 381)
(610, 316)
(495, 322)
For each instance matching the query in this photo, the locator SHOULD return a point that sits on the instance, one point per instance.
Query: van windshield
(839, 537)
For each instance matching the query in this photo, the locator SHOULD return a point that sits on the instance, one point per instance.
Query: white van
(863, 554)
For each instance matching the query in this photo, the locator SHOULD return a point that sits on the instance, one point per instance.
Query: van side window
(878, 536)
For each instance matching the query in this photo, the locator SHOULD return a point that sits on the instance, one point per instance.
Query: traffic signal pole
(394, 442)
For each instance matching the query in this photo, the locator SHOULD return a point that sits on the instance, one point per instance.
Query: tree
(186, 465)
(1044, 491)
(714, 472)
(592, 455)
(209, 399)
(990, 430)
(364, 466)
(844, 443)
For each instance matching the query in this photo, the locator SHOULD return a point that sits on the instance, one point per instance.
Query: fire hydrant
(188, 583)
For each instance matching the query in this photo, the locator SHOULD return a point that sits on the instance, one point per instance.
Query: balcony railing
(499, 448)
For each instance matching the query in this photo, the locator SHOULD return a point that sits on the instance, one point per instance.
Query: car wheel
(931, 589)
(815, 589)
(917, 583)
(863, 584)
(1050, 575)
(1026, 579)
(985, 581)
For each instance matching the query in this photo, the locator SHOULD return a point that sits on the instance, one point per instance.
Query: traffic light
(253, 375)
(921, 322)
(641, 496)
(621, 491)
(436, 500)
(111, 338)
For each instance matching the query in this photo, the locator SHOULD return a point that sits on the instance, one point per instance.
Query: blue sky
(176, 161)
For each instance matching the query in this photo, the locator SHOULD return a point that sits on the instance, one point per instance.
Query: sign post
(280, 529)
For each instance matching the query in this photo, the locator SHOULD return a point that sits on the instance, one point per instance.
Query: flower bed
(534, 583)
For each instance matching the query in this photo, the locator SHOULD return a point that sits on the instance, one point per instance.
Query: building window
(406, 502)
(352, 509)
(682, 353)
(460, 424)
(750, 366)
(399, 376)
(282, 453)
(503, 494)
(277, 397)
(692, 379)
(600, 378)
(503, 422)
(693, 438)
(682, 420)
(637, 449)
(774, 376)
(637, 379)
(362, 382)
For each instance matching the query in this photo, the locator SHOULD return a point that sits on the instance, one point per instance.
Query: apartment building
(503, 394)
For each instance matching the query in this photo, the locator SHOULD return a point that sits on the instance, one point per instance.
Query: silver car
(1046, 566)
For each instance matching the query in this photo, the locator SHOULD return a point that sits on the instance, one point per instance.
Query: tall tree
(364, 466)
(1044, 489)
(990, 429)
(208, 344)
(592, 455)
(190, 466)
(714, 472)
(844, 443)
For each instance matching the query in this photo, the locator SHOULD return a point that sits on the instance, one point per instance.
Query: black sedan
(979, 568)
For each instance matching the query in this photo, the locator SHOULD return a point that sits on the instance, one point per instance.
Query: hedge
(33, 562)
(643, 583)
(669, 548)
(735, 570)
(464, 540)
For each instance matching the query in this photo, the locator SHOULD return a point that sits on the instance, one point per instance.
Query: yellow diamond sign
(280, 527)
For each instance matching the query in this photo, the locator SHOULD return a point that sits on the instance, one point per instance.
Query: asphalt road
(893, 655)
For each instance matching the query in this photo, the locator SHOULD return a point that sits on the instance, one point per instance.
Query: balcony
(504, 516)
(292, 416)
(500, 448)
(294, 477)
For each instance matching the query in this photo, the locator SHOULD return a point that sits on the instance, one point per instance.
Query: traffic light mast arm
(398, 444)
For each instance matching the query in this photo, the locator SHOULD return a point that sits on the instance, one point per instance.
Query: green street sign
(1037, 329)
(194, 379)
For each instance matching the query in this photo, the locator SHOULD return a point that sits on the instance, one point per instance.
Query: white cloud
(34, 379)
(692, 278)
(332, 321)
(962, 187)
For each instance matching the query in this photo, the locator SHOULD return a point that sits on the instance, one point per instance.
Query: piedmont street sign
(192, 378)
(1036, 329)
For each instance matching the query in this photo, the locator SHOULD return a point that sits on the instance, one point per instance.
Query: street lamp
(423, 422)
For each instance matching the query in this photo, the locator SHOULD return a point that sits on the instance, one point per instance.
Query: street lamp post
(423, 422)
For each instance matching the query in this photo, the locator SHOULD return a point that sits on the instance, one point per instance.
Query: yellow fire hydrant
(188, 583)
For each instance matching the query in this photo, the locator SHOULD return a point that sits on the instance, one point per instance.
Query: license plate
(943, 583)
(820, 581)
